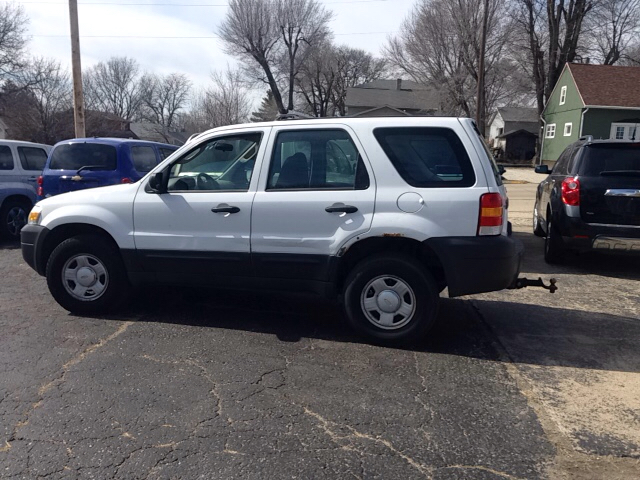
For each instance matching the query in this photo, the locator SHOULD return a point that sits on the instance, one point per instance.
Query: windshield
(610, 159)
(94, 156)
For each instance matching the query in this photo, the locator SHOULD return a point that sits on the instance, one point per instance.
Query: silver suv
(21, 164)
(383, 213)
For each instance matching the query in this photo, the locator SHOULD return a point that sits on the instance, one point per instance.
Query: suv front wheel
(85, 275)
(391, 299)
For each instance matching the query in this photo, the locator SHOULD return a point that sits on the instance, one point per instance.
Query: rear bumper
(32, 238)
(580, 236)
(478, 264)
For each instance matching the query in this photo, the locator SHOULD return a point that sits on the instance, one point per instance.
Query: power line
(182, 37)
(181, 4)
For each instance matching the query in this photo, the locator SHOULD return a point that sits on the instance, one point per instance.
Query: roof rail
(587, 138)
(293, 115)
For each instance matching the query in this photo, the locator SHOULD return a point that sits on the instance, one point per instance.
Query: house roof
(520, 131)
(519, 114)
(607, 85)
(411, 96)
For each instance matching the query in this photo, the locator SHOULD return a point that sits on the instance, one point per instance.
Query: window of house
(568, 127)
(316, 160)
(551, 131)
(563, 95)
(620, 133)
(500, 131)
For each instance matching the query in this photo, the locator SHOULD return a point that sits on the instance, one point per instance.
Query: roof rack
(587, 138)
(293, 115)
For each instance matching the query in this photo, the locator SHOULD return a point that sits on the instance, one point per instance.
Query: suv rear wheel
(85, 274)
(553, 249)
(13, 216)
(391, 299)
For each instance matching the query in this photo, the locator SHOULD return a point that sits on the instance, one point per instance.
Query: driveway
(190, 384)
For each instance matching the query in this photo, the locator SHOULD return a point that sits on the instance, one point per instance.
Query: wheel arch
(63, 232)
(379, 245)
(18, 197)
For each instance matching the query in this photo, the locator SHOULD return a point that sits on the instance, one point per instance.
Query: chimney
(399, 84)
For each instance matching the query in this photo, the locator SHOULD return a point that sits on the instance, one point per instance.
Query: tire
(553, 249)
(537, 228)
(95, 281)
(402, 296)
(13, 216)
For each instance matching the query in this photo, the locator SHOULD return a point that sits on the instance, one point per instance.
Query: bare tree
(114, 87)
(317, 81)
(163, 99)
(440, 45)
(225, 102)
(35, 107)
(354, 67)
(13, 28)
(278, 35)
(553, 34)
(615, 25)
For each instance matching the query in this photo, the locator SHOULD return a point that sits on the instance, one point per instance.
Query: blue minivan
(96, 162)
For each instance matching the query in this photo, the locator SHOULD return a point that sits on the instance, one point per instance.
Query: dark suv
(591, 199)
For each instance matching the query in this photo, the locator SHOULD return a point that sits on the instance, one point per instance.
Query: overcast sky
(110, 27)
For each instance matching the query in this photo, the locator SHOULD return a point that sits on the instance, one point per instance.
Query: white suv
(383, 213)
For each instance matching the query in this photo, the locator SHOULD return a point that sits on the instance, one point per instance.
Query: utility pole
(480, 94)
(76, 69)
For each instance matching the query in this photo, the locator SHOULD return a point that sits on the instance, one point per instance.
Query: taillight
(491, 211)
(571, 191)
(40, 190)
(126, 180)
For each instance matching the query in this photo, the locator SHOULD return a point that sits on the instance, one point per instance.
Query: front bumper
(478, 264)
(32, 239)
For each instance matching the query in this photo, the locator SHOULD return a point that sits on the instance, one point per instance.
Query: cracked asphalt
(183, 384)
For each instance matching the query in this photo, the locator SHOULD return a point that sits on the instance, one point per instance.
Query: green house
(598, 100)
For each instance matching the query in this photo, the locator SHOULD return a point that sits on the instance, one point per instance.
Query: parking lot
(202, 384)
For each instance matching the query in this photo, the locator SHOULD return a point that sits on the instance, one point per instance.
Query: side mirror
(156, 183)
(501, 169)
(544, 169)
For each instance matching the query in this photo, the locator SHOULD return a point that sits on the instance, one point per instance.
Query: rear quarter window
(32, 158)
(6, 158)
(94, 156)
(143, 158)
(427, 157)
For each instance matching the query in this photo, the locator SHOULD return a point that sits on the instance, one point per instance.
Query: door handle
(224, 208)
(341, 208)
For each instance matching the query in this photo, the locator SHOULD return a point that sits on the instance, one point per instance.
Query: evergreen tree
(268, 110)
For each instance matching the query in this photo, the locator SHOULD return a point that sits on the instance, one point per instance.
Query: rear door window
(92, 156)
(427, 157)
(143, 158)
(316, 160)
(32, 158)
(6, 158)
(610, 159)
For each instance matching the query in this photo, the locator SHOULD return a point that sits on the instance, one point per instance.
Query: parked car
(383, 213)
(590, 200)
(20, 165)
(96, 162)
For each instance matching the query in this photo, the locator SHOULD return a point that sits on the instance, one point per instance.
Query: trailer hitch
(525, 282)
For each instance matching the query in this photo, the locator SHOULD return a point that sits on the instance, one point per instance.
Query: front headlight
(35, 215)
